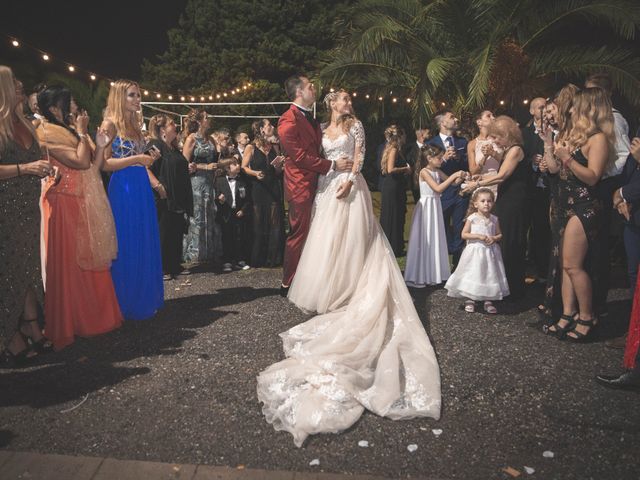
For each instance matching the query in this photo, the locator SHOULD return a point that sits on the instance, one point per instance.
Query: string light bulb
(202, 99)
(45, 57)
(158, 96)
(525, 101)
(444, 104)
(394, 100)
(92, 77)
(225, 94)
(210, 97)
(501, 102)
(146, 92)
(331, 90)
(72, 68)
(217, 95)
(15, 43)
(193, 99)
(367, 96)
(182, 99)
(170, 97)
(355, 94)
(408, 100)
(380, 98)
(113, 84)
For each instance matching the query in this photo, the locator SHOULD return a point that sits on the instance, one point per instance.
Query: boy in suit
(233, 206)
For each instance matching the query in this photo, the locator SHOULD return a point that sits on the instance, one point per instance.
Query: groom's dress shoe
(629, 380)
(284, 291)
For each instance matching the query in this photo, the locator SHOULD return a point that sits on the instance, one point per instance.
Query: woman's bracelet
(18, 167)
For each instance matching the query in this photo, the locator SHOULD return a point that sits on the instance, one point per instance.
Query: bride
(367, 348)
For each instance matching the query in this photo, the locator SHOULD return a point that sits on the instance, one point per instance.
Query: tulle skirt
(427, 254)
(137, 271)
(372, 352)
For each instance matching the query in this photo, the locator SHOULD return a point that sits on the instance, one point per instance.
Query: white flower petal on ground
(314, 462)
(363, 443)
(548, 454)
(437, 432)
(529, 470)
(412, 448)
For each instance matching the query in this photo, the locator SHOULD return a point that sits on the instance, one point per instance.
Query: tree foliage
(474, 52)
(219, 45)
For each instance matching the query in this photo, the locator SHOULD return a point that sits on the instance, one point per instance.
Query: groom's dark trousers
(301, 138)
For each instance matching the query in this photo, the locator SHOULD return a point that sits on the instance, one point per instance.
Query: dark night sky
(109, 37)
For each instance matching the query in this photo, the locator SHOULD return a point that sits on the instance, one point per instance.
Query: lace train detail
(372, 353)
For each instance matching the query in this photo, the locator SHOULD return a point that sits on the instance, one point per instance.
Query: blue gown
(137, 271)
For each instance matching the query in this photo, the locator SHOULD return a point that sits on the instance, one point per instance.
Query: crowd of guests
(94, 224)
(547, 190)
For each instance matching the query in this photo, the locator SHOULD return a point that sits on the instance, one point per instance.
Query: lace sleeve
(357, 130)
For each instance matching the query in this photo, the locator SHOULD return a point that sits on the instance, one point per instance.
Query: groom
(301, 138)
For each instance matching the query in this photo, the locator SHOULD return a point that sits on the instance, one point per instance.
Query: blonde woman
(393, 198)
(580, 155)
(21, 167)
(137, 271)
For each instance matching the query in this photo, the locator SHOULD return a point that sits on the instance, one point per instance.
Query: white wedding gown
(370, 349)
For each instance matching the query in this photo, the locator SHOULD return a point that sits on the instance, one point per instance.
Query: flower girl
(427, 256)
(480, 272)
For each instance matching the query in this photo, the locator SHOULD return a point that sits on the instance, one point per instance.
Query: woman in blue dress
(137, 271)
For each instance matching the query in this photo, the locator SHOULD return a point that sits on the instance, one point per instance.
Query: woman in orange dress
(78, 229)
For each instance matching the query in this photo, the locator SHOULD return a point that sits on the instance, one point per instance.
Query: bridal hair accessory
(332, 97)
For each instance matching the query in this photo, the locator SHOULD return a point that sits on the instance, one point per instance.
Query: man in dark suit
(412, 154)
(454, 207)
(233, 206)
(540, 233)
(301, 138)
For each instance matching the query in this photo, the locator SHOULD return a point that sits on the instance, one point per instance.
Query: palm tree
(474, 52)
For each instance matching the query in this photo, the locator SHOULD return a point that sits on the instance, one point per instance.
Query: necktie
(309, 116)
(448, 142)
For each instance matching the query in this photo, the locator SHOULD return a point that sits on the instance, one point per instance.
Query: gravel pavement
(181, 388)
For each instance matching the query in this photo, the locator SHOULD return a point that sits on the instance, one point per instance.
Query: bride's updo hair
(346, 120)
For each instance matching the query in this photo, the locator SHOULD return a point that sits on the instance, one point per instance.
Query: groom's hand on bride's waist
(343, 164)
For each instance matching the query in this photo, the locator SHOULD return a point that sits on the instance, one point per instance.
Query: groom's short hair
(292, 84)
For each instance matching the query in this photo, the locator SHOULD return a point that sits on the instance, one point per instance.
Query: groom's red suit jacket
(302, 143)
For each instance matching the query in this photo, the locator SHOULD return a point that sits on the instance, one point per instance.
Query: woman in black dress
(262, 165)
(21, 167)
(172, 192)
(579, 156)
(510, 206)
(393, 198)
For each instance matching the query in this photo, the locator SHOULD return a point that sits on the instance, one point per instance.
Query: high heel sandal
(560, 331)
(20, 359)
(582, 337)
(42, 346)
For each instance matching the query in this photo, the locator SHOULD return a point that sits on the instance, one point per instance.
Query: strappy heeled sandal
(560, 331)
(582, 337)
(42, 346)
(470, 306)
(20, 359)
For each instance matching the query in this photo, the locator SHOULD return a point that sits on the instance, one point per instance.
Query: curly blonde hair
(592, 113)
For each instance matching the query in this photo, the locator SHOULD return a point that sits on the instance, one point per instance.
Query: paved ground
(181, 389)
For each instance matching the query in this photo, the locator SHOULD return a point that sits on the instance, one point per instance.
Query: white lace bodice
(482, 225)
(345, 145)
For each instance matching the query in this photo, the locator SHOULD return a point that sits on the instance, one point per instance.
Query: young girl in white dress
(480, 273)
(427, 255)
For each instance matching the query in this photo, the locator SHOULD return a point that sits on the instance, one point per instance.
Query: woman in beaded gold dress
(21, 165)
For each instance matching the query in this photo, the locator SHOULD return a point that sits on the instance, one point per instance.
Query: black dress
(172, 171)
(393, 206)
(267, 246)
(571, 197)
(511, 210)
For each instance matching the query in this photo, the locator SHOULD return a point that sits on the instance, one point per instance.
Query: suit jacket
(532, 145)
(461, 162)
(631, 188)
(303, 142)
(225, 211)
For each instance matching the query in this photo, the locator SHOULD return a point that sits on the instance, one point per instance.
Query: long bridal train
(372, 353)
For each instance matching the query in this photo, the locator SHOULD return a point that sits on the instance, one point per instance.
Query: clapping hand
(488, 150)
(82, 122)
(103, 138)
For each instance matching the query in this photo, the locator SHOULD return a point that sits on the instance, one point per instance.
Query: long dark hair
(56, 96)
(426, 151)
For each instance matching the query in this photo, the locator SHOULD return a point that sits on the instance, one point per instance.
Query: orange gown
(79, 242)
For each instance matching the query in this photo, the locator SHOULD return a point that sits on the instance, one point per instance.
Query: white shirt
(232, 186)
(623, 145)
(444, 137)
